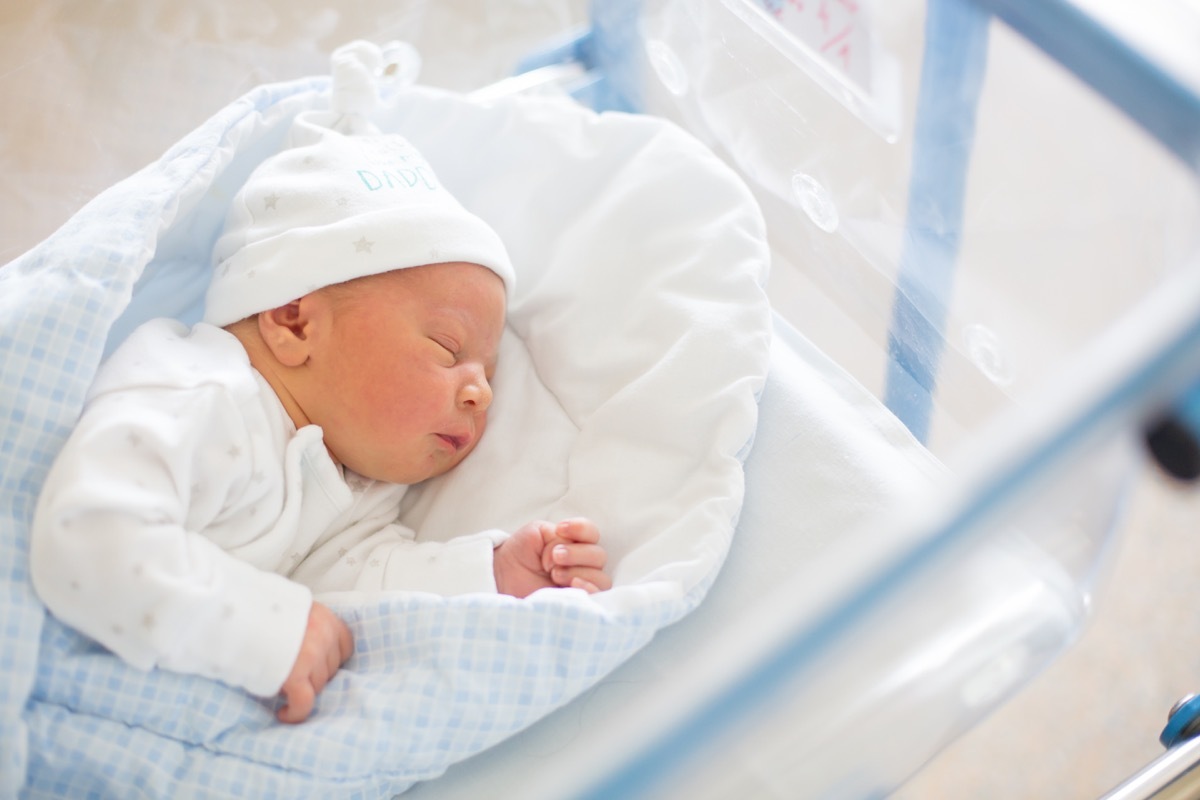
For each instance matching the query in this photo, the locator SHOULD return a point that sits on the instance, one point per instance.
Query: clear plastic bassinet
(984, 211)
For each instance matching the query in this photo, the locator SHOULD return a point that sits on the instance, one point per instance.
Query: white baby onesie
(187, 523)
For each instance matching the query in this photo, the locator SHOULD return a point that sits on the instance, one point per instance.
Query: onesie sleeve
(390, 559)
(460, 566)
(117, 550)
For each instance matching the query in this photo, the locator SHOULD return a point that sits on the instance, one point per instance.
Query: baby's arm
(115, 555)
(541, 555)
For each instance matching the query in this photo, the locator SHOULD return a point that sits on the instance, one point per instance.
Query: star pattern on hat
(269, 201)
(363, 246)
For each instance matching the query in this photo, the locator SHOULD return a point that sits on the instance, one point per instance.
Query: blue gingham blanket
(637, 343)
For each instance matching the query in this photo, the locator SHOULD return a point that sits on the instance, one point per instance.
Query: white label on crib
(837, 29)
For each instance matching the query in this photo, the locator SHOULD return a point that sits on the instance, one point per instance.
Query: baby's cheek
(399, 406)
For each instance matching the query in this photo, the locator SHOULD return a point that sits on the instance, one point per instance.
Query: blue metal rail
(956, 35)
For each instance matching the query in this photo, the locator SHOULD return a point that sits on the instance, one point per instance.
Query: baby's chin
(443, 468)
(415, 475)
(409, 471)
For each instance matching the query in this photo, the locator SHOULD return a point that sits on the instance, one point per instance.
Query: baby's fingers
(589, 579)
(300, 697)
(579, 555)
(578, 529)
(580, 566)
(586, 585)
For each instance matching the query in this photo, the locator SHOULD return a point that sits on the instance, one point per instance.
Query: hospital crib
(942, 184)
(942, 181)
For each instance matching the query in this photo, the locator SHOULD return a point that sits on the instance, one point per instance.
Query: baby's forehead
(466, 294)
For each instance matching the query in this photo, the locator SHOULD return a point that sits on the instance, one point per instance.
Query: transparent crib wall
(1071, 216)
(848, 700)
(1070, 212)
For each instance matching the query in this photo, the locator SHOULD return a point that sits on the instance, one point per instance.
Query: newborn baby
(220, 475)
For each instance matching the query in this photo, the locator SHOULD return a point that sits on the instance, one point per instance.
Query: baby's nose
(476, 393)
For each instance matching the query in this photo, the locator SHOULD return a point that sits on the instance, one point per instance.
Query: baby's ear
(289, 331)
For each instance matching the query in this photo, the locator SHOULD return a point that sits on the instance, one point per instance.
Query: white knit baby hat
(341, 201)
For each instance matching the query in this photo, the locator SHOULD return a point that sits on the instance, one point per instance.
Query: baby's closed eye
(448, 346)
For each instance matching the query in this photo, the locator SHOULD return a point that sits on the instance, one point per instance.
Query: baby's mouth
(457, 442)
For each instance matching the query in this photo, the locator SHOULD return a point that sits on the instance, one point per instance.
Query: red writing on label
(838, 29)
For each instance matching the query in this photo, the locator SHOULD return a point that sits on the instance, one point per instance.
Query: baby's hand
(327, 645)
(542, 554)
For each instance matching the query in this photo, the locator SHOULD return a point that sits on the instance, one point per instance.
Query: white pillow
(639, 330)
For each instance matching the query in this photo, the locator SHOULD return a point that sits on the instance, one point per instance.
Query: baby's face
(409, 382)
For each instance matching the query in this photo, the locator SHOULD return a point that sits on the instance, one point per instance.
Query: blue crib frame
(1161, 376)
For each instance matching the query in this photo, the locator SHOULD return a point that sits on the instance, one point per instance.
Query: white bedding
(638, 333)
(638, 343)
